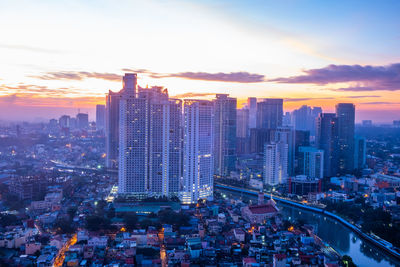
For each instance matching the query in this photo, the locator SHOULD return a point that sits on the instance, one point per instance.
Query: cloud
(78, 75)
(190, 94)
(234, 77)
(381, 103)
(29, 100)
(363, 96)
(31, 48)
(366, 78)
(38, 90)
(306, 99)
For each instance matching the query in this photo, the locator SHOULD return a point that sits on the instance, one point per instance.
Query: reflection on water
(337, 236)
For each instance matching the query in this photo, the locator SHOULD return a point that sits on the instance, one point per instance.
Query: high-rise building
(287, 119)
(327, 139)
(197, 151)
(224, 134)
(367, 123)
(312, 162)
(345, 113)
(242, 118)
(150, 138)
(100, 117)
(64, 121)
(270, 113)
(242, 131)
(286, 135)
(82, 120)
(252, 107)
(304, 118)
(129, 87)
(258, 138)
(302, 139)
(360, 150)
(275, 163)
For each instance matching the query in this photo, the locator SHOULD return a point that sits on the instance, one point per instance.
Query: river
(335, 234)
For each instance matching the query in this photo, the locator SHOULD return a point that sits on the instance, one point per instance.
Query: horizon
(54, 64)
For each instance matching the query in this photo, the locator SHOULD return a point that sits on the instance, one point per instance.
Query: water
(336, 235)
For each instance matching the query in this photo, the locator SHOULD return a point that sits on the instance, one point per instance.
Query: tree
(130, 220)
(347, 261)
(64, 226)
(71, 212)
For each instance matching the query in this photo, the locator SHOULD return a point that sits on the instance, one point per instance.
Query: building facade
(345, 113)
(150, 138)
(270, 113)
(327, 139)
(197, 151)
(224, 134)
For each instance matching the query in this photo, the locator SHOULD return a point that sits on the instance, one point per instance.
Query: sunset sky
(60, 56)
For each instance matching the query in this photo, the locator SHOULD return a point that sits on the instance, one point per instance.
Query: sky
(58, 57)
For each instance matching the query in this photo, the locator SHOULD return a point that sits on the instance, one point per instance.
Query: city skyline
(283, 52)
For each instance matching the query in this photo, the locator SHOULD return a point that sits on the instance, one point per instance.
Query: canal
(334, 233)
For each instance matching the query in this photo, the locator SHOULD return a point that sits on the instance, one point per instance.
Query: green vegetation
(376, 221)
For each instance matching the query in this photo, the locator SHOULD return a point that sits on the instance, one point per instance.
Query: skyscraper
(197, 151)
(64, 121)
(82, 120)
(312, 162)
(100, 117)
(304, 118)
(252, 107)
(150, 135)
(345, 113)
(275, 163)
(112, 118)
(327, 139)
(287, 135)
(270, 113)
(224, 134)
(242, 129)
(360, 149)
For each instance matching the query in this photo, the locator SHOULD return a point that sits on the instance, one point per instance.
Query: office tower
(100, 117)
(64, 121)
(367, 123)
(258, 138)
(275, 163)
(327, 139)
(360, 150)
(312, 162)
(197, 151)
(72, 123)
(396, 124)
(252, 107)
(270, 113)
(242, 118)
(129, 86)
(315, 111)
(286, 135)
(287, 119)
(345, 113)
(224, 134)
(150, 135)
(304, 118)
(242, 131)
(302, 138)
(82, 120)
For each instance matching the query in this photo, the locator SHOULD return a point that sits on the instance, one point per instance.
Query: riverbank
(369, 239)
